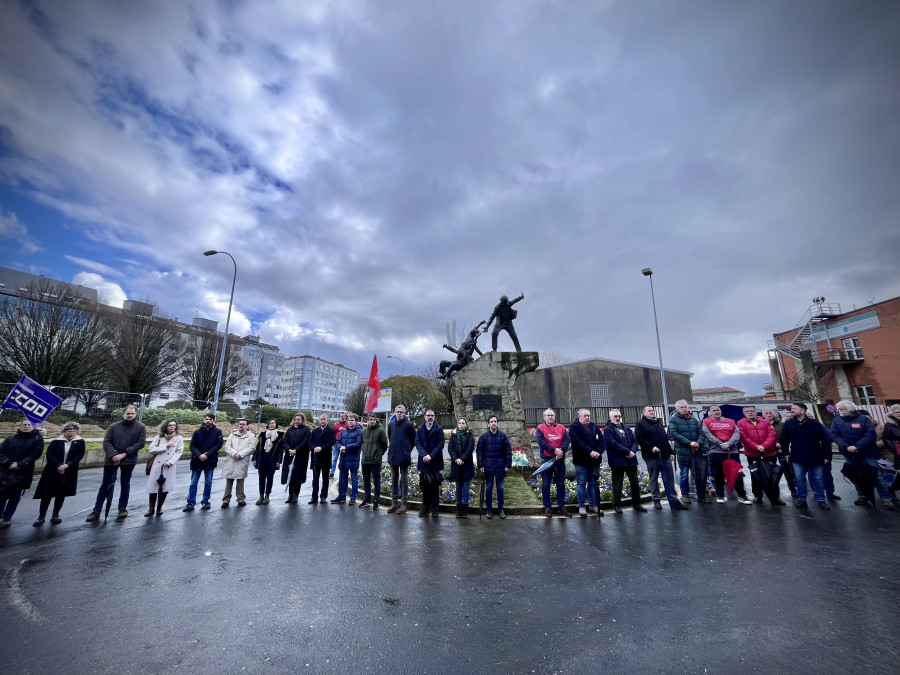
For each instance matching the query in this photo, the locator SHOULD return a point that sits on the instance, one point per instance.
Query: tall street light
(402, 365)
(215, 401)
(648, 272)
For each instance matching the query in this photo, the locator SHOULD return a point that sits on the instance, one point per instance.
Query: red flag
(374, 388)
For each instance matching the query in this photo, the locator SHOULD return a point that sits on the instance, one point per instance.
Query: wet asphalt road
(722, 588)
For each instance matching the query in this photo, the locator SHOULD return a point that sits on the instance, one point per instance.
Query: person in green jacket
(374, 445)
(684, 429)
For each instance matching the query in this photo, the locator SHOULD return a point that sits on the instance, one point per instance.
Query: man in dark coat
(808, 444)
(856, 439)
(321, 441)
(18, 453)
(402, 439)
(657, 455)
(774, 418)
(430, 448)
(621, 453)
(587, 450)
(205, 445)
(504, 313)
(121, 444)
(296, 457)
(494, 453)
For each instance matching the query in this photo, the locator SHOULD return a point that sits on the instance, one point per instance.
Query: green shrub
(178, 405)
(284, 416)
(155, 416)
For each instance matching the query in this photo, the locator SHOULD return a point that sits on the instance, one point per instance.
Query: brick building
(717, 395)
(838, 355)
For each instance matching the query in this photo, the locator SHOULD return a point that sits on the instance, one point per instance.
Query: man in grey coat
(121, 444)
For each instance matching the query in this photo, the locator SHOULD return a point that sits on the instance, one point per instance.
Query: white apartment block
(310, 383)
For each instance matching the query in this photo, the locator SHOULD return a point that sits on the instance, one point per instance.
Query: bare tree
(355, 401)
(147, 350)
(200, 367)
(567, 391)
(431, 373)
(52, 336)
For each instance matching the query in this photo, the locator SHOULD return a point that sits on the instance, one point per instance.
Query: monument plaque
(487, 402)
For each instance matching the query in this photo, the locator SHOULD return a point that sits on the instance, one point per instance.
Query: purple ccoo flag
(33, 400)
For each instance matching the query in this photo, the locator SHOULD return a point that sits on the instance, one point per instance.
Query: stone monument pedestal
(487, 386)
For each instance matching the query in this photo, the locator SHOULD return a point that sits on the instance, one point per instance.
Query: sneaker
(205, 506)
(5, 523)
(338, 500)
(92, 516)
(434, 513)
(824, 506)
(745, 501)
(801, 505)
(402, 509)
(502, 514)
(720, 500)
(489, 515)
(260, 501)
(548, 513)
(123, 513)
(686, 498)
(861, 501)
(888, 504)
(363, 504)
(38, 522)
(582, 512)
(352, 502)
(657, 505)
(55, 520)
(266, 499)
(189, 507)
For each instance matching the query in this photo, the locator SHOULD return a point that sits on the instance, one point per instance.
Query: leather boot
(394, 506)
(162, 500)
(402, 508)
(152, 509)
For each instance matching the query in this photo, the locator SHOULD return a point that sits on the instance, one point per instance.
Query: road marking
(17, 596)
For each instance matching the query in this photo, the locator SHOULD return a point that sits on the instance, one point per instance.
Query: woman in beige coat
(166, 449)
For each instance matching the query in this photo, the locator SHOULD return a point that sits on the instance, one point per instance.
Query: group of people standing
(801, 445)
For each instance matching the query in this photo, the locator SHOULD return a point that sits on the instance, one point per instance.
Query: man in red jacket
(759, 439)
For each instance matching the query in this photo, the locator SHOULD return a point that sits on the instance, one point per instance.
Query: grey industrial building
(600, 383)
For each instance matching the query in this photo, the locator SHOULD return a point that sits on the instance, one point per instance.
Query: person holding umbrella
(165, 451)
(18, 453)
(267, 459)
(462, 465)
(296, 457)
(759, 439)
(494, 453)
(59, 478)
(722, 437)
(553, 440)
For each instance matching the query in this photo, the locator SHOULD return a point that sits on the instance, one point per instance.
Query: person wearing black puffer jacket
(18, 453)
(657, 455)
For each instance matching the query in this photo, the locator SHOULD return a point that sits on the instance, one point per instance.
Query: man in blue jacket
(349, 446)
(494, 454)
(205, 445)
(855, 437)
(430, 446)
(807, 443)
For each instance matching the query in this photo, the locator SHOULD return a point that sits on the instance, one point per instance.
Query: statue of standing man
(504, 314)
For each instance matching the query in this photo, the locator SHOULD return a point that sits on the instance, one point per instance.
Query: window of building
(852, 348)
(600, 396)
(865, 394)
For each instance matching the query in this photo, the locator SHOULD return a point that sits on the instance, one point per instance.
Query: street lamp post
(648, 272)
(215, 402)
(402, 365)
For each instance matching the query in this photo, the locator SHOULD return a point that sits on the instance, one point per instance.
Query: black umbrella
(863, 476)
(109, 498)
(768, 476)
(481, 497)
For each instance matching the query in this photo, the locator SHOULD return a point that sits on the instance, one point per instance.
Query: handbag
(149, 464)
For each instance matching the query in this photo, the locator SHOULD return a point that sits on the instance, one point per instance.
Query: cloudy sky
(378, 169)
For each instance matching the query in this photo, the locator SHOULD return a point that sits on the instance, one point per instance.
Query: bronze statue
(504, 313)
(463, 354)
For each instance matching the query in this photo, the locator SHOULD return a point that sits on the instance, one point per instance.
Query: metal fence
(94, 409)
